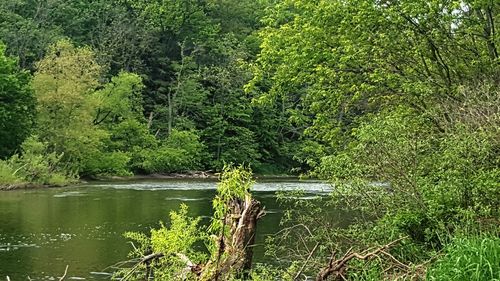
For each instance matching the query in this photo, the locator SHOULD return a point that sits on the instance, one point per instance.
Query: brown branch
(338, 267)
(190, 266)
(395, 260)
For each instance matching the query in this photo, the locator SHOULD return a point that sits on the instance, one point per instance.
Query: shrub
(182, 239)
(8, 174)
(36, 165)
(408, 173)
(179, 238)
(108, 163)
(129, 134)
(181, 151)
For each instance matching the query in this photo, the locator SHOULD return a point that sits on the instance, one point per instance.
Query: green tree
(120, 99)
(64, 85)
(28, 27)
(399, 100)
(17, 104)
(337, 60)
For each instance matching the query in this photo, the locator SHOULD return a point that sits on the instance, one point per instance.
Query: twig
(64, 275)
(395, 260)
(292, 227)
(8, 278)
(150, 257)
(132, 270)
(305, 263)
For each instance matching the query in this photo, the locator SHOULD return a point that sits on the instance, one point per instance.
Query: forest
(395, 103)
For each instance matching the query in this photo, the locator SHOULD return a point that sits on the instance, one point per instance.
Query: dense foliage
(16, 105)
(395, 103)
(400, 100)
(123, 87)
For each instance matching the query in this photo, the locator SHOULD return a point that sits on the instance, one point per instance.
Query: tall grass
(7, 175)
(468, 259)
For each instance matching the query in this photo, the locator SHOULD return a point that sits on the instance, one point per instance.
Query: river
(43, 230)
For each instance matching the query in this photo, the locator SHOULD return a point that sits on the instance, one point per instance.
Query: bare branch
(64, 275)
(338, 267)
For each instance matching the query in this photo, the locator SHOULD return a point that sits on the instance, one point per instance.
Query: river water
(43, 230)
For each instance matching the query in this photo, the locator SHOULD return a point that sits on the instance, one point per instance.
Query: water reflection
(42, 231)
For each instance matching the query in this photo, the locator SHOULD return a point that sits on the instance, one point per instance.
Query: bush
(36, 165)
(134, 138)
(181, 151)
(468, 259)
(8, 174)
(429, 177)
(408, 173)
(108, 163)
(130, 134)
(183, 239)
(180, 237)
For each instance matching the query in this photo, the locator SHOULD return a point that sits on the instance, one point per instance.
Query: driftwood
(337, 267)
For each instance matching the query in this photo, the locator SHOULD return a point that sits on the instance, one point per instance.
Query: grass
(7, 175)
(468, 259)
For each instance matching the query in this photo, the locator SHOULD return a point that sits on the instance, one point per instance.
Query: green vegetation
(476, 258)
(34, 165)
(395, 103)
(172, 253)
(16, 104)
(401, 105)
(151, 87)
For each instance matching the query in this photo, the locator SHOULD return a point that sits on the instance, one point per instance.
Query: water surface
(43, 230)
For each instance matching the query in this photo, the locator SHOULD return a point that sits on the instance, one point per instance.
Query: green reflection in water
(42, 231)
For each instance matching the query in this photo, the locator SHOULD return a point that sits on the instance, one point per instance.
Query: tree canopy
(16, 105)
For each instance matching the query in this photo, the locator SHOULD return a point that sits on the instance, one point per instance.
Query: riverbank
(5, 187)
(31, 185)
(185, 175)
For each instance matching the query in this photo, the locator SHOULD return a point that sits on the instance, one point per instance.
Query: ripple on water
(308, 186)
(153, 186)
(70, 194)
(35, 240)
(11, 247)
(186, 199)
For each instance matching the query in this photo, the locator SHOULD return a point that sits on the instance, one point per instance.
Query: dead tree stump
(236, 246)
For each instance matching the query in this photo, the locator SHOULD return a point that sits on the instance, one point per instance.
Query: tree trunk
(236, 249)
